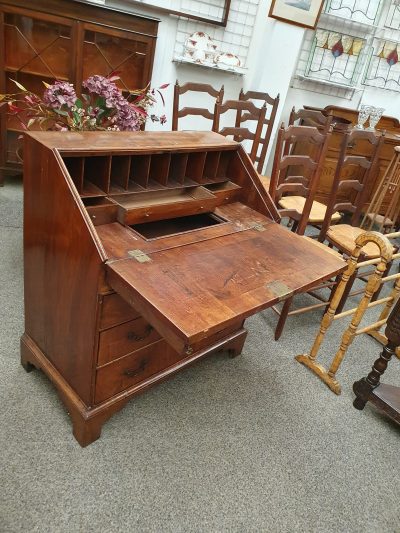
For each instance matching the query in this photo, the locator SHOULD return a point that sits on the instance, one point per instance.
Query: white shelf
(213, 66)
(325, 82)
(365, 27)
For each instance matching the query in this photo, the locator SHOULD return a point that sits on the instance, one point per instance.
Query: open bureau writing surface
(144, 252)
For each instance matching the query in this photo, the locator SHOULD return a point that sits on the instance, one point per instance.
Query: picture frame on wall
(304, 13)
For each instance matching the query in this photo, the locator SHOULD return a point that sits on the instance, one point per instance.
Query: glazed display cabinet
(50, 40)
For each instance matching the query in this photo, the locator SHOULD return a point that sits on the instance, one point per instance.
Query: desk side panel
(62, 265)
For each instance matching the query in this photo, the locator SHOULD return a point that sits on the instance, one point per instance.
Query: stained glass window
(383, 67)
(335, 57)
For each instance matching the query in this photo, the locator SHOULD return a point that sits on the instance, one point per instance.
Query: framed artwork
(303, 13)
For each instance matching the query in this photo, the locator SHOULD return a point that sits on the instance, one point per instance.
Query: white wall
(271, 63)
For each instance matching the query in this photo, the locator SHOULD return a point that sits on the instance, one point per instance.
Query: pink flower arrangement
(101, 107)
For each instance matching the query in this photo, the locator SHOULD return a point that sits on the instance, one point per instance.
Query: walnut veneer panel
(62, 265)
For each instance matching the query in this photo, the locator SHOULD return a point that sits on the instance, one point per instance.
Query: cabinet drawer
(114, 310)
(134, 368)
(125, 338)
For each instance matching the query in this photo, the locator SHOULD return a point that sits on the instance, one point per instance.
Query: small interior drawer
(124, 339)
(156, 205)
(226, 191)
(101, 210)
(114, 310)
(134, 368)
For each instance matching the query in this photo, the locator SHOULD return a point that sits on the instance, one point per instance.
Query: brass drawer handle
(135, 371)
(132, 337)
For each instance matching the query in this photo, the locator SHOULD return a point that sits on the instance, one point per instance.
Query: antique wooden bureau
(144, 252)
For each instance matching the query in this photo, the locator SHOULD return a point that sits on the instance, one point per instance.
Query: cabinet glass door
(35, 50)
(128, 55)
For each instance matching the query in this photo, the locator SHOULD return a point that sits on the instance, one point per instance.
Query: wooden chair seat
(380, 219)
(265, 180)
(317, 213)
(322, 246)
(343, 236)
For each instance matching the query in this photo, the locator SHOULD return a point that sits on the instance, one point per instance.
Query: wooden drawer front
(134, 368)
(114, 310)
(158, 212)
(126, 338)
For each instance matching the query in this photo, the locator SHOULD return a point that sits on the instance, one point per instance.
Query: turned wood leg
(2, 177)
(363, 388)
(386, 273)
(346, 292)
(282, 317)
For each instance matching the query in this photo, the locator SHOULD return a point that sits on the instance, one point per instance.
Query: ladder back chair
(307, 170)
(269, 121)
(310, 117)
(350, 185)
(353, 175)
(384, 210)
(177, 113)
(305, 117)
(241, 133)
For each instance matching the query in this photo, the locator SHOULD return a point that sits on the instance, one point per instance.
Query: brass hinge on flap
(279, 289)
(140, 256)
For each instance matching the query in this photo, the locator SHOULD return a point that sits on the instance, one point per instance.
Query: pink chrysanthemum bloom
(59, 94)
(125, 118)
(105, 88)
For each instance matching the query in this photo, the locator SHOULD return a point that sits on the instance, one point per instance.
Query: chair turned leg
(282, 318)
(362, 390)
(359, 404)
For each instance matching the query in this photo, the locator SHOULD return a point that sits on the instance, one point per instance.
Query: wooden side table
(369, 389)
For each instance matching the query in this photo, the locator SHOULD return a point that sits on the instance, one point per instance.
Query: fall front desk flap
(190, 292)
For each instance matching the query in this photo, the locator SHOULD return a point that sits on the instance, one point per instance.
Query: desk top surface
(192, 291)
(120, 141)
